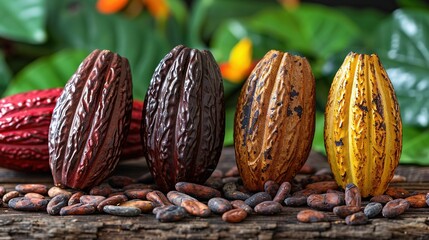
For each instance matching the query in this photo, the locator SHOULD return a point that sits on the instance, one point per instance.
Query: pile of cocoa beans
(222, 194)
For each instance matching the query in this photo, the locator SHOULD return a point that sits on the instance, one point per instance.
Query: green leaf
(208, 15)
(318, 141)
(5, 74)
(77, 24)
(47, 72)
(404, 52)
(415, 148)
(23, 20)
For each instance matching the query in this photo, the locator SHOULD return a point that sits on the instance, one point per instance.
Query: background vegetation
(42, 42)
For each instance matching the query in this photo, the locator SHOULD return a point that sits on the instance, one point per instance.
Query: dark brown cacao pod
(275, 120)
(24, 126)
(184, 118)
(90, 121)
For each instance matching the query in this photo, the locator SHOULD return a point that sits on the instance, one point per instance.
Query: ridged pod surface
(90, 121)
(24, 126)
(363, 129)
(184, 118)
(275, 120)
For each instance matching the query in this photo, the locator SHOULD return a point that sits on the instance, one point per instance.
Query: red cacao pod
(184, 118)
(90, 121)
(24, 126)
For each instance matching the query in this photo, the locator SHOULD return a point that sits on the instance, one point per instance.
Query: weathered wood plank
(414, 224)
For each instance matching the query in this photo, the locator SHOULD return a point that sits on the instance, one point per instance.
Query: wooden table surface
(414, 224)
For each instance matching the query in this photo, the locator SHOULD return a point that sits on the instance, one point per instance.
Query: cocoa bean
(170, 213)
(241, 204)
(324, 171)
(268, 208)
(196, 208)
(219, 205)
(77, 209)
(231, 193)
(145, 206)
(158, 198)
(122, 211)
(282, 192)
(344, 211)
(177, 198)
(417, 201)
(352, 195)
(137, 193)
(325, 202)
(323, 186)
(317, 178)
(2, 191)
(34, 195)
(306, 169)
(427, 199)
(101, 190)
(341, 194)
(116, 193)
(234, 215)
(75, 198)
(398, 178)
(120, 181)
(91, 200)
(295, 201)
(311, 216)
(372, 209)
(230, 179)
(140, 186)
(113, 200)
(28, 204)
(35, 188)
(214, 182)
(383, 199)
(196, 190)
(304, 193)
(145, 178)
(257, 198)
(271, 188)
(9, 195)
(397, 192)
(395, 208)
(358, 218)
(56, 203)
(54, 191)
(232, 172)
(217, 174)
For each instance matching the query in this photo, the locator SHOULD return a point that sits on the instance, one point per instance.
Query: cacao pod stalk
(184, 118)
(275, 120)
(363, 128)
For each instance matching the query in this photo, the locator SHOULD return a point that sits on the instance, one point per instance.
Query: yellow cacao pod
(275, 120)
(363, 128)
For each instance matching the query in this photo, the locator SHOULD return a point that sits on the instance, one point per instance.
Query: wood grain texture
(274, 122)
(363, 129)
(184, 118)
(90, 121)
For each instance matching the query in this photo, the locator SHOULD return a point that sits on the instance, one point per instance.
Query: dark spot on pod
(298, 110)
(339, 143)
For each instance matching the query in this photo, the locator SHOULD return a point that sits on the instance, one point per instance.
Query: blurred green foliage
(42, 43)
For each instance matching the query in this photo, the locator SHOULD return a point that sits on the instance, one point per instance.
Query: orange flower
(157, 8)
(110, 6)
(240, 63)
